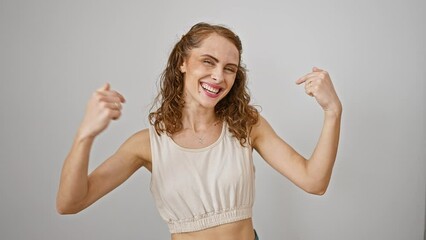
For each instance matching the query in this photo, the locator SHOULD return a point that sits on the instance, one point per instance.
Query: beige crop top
(195, 189)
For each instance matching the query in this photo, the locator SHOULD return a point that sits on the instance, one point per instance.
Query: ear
(183, 67)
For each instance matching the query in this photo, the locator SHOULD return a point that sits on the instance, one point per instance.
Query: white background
(53, 54)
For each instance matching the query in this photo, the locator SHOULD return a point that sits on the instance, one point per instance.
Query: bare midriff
(237, 230)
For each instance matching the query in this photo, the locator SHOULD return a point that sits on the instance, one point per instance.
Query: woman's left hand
(318, 85)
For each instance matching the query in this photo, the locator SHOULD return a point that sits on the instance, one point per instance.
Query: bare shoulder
(261, 130)
(139, 146)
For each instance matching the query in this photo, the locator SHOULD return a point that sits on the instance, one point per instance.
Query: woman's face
(209, 71)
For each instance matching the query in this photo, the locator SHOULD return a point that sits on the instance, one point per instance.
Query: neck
(198, 119)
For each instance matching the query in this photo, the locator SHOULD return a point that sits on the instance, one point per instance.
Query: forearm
(73, 185)
(321, 163)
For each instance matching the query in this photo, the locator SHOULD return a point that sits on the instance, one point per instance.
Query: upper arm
(277, 153)
(134, 153)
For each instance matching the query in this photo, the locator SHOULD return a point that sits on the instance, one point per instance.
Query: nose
(217, 75)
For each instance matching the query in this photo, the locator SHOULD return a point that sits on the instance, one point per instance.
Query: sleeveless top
(195, 189)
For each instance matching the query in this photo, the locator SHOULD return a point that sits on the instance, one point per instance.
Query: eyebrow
(217, 60)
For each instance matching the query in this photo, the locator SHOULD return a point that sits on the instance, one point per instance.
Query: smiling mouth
(210, 89)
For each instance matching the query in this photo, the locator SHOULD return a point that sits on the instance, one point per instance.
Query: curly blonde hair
(234, 108)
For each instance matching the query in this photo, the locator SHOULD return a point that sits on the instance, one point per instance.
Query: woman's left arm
(311, 175)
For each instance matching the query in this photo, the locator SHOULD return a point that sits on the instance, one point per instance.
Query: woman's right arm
(78, 190)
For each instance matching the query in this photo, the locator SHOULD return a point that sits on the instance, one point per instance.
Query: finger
(300, 80)
(112, 96)
(107, 98)
(309, 91)
(115, 94)
(315, 69)
(110, 112)
(311, 87)
(122, 99)
(308, 83)
(313, 81)
(306, 77)
(109, 93)
(104, 87)
(114, 105)
(114, 114)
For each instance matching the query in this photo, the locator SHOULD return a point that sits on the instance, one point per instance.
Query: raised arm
(311, 175)
(77, 190)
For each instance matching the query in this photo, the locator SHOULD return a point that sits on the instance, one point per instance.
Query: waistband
(209, 220)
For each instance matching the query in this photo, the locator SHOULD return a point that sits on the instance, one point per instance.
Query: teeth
(209, 88)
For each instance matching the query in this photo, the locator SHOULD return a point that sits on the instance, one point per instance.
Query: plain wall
(53, 54)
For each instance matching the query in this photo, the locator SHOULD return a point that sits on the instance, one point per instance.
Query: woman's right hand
(104, 105)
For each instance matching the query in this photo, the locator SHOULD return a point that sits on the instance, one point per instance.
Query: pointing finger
(302, 79)
(306, 77)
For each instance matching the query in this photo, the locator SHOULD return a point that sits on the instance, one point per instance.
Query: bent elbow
(62, 211)
(318, 190)
(66, 209)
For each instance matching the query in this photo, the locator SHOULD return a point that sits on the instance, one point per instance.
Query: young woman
(199, 145)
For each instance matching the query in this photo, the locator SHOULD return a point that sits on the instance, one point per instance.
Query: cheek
(196, 74)
(231, 81)
(191, 82)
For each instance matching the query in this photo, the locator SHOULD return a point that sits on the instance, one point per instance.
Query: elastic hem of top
(209, 220)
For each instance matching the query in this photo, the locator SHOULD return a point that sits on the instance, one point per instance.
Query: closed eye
(208, 62)
(231, 69)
